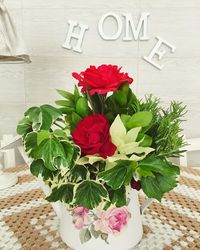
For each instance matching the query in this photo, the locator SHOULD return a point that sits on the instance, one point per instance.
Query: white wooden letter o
(119, 26)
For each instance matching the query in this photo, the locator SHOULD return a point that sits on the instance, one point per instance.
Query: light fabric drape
(12, 47)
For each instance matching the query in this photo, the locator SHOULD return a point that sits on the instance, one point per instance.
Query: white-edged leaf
(117, 131)
(132, 134)
(128, 148)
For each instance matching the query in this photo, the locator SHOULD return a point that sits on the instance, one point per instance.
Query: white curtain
(12, 47)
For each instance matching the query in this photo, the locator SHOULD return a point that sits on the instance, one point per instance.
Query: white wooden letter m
(75, 35)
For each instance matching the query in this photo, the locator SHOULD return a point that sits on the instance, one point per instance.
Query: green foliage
(123, 101)
(78, 173)
(38, 118)
(37, 168)
(157, 176)
(30, 143)
(157, 165)
(65, 94)
(146, 140)
(75, 107)
(52, 153)
(72, 153)
(166, 131)
(82, 107)
(156, 186)
(42, 117)
(118, 175)
(144, 123)
(63, 194)
(24, 126)
(89, 194)
(117, 197)
(139, 119)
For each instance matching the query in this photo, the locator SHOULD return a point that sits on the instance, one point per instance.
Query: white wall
(44, 25)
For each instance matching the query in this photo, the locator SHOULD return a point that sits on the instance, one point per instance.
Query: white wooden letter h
(79, 36)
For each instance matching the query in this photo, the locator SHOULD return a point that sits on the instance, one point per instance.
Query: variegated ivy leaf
(89, 194)
(126, 141)
(52, 153)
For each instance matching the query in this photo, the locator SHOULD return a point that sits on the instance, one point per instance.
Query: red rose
(93, 137)
(101, 80)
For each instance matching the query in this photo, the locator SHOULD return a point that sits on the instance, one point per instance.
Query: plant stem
(91, 102)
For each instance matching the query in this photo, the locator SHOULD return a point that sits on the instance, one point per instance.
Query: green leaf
(132, 167)
(110, 117)
(120, 97)
(49, 150)
(116, 176)
(166, 183)
(78, 172)
(155, 187)
(30, 143)
(125, 118)
(95, 102)
(146, 141)
(144, 172)
(82, 107)
(158, 165)
(71, 153)
(84, 235)
(52, 111)
(76, 118)
(37, 167)
(67, 110)
(60, 133)
(37, 118)
(118, 197)
(24, 126)
(42, 117)
(76, 93)
(139, 119)
(132, 100)
(151, 188)
(42, 135)
(63, 194)
(125, 88)
(89, 194)
(65, 103)
(65, 94)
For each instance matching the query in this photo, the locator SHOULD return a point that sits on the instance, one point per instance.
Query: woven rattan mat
(28, 222)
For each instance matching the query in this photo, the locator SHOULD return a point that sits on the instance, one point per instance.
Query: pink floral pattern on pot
(100, 223)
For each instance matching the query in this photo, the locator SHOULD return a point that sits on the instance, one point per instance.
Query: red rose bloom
(93, 137)
(101, 80)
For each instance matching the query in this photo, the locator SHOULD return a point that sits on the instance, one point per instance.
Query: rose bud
(136, 184)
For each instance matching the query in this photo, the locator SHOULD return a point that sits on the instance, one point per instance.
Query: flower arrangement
(98, 144)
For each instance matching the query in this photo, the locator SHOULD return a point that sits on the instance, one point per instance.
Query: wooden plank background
(44, 27)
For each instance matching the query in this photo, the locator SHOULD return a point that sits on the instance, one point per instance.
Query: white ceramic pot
(125, 240)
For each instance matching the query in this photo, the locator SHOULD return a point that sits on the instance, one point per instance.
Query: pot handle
(145, 204)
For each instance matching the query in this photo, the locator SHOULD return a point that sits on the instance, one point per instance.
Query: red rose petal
(108, 149)
(102, 79)
(92, 135)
